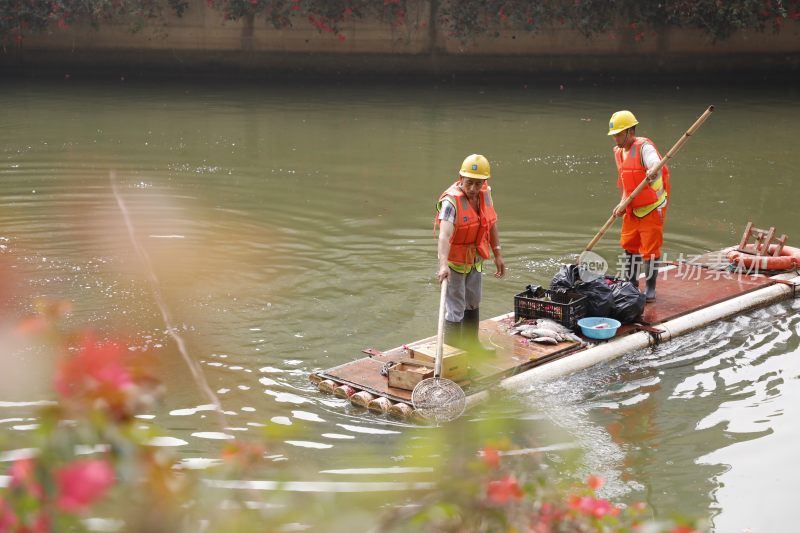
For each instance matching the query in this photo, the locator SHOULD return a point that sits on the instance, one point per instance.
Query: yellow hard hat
(476, 167)
(621, 121)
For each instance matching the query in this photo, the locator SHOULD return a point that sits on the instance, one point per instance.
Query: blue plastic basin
(599, 327)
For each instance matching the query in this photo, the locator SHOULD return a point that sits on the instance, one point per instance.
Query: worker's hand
(501, 266)
(443, 274)
(618, 211)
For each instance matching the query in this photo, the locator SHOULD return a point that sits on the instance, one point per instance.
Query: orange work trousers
(644, 236)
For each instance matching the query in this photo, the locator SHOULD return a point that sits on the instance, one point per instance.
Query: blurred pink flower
(639, 506)
(547, 518)
(593, 506)
(23, 475)
(96, 365)
(491, 456)
(8, 520)
(82, 482)
(594, 482)
(502, 490)
(683, 529)
(41, 524)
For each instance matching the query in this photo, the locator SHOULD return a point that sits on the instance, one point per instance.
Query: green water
(288, 227)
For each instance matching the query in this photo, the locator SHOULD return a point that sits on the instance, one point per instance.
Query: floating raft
(690, 296)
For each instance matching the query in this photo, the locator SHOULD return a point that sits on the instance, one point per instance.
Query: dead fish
(529, 327)
(543, 327)
(545, 340)
(562, 330)
(540, 332)
(552, 324)
(547, 332)
(528, 330)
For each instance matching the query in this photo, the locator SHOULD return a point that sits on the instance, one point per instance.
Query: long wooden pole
(651, 175)
(437, 369)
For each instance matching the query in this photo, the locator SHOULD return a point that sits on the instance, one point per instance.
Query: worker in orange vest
(467, 232)
(643, 219)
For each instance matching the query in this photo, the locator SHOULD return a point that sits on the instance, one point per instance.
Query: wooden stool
(763, 240)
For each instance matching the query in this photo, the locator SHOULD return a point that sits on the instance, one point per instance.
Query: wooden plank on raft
(687, 288)
(513, 354)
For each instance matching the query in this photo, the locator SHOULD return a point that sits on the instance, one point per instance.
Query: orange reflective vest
(632, 171)
(471, 235)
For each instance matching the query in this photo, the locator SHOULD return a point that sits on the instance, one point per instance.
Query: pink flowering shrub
(99, 387)
(498, 492)
(718, 19)
(95, 377)
(19, 17)
(463, 19)
(327, 16)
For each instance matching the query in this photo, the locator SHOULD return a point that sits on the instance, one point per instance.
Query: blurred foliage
(507, 485)
(463, 19)
(20, 17)
(325, 15)
(718, 18)
(89, 457)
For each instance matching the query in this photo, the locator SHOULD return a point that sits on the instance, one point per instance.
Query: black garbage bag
(566, 278)
(599, 298)
(628, 302)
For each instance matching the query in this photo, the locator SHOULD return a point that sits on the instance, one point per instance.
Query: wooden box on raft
(407, 375)
(455, 363)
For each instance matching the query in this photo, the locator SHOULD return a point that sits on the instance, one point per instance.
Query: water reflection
(696, 424)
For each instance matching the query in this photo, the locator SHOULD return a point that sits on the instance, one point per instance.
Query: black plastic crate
(565, 308)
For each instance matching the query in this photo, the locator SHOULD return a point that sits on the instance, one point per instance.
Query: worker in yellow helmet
(467, 233)
(643, 219)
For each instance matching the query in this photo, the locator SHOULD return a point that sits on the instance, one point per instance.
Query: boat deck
(682, 289)
(514, 354)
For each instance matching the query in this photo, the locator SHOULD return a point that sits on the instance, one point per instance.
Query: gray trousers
(463, 292)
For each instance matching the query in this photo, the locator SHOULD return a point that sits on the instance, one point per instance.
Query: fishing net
(438, 400)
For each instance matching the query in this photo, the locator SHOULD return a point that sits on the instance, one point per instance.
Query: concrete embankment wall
(202, 42)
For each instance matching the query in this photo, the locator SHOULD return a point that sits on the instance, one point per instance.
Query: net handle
(437, 369)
